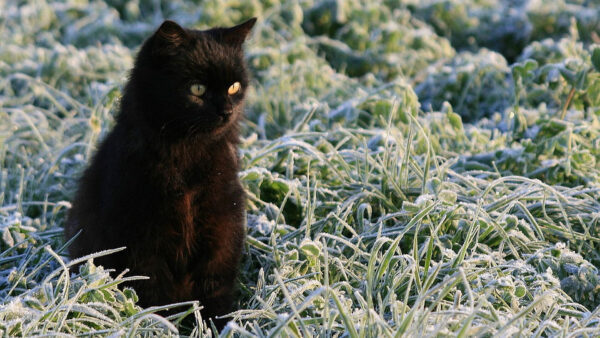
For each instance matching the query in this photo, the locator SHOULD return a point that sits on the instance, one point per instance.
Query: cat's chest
(198, 216)
(196, 193)
(194, 187)
(184, 171)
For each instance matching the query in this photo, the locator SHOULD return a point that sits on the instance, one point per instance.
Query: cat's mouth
(222, 121)
(226, 116)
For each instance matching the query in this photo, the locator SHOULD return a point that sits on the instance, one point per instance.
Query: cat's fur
(164, 181)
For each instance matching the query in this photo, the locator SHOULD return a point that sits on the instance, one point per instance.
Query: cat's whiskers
(195, 126)
(186, 121)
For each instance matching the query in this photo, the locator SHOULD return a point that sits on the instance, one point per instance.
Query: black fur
(164, 181)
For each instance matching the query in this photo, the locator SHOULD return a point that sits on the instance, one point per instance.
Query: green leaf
(596, 58)
(593, 91)
(310, 248)
(448, 196)
(524, 69)
(530, 65)
(568, 75)
(403, 116)
(455, 121)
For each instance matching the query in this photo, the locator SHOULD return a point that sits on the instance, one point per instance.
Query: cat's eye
(197, 89)
(234, 88)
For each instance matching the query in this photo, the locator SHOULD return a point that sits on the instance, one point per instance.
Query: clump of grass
(373, 244)
(474, 84)
(43, 294)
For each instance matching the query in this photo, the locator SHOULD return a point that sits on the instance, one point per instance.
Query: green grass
(412, 167)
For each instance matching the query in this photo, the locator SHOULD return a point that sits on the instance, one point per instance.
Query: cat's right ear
(237, 35)
(168, 38)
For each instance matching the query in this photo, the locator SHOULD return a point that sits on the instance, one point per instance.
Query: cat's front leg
(216, 276)
(216, 297)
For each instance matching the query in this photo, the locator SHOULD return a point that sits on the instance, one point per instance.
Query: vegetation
(373, 209)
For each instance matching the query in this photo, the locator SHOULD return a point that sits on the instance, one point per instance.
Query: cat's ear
(169, 36)
(236, 35)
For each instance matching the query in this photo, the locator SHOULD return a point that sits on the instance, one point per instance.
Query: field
(414, 168)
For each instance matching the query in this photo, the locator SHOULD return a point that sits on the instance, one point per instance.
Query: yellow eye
(234, 88)
(197, 89)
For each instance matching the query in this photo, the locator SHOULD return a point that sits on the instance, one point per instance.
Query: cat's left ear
(169, 37)
(236, 35)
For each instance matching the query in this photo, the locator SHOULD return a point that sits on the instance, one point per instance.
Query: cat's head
(191, 82)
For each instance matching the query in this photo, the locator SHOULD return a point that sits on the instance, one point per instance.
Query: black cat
(164, 181)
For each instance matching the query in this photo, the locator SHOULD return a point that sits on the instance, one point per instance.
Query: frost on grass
(42, 294)
(412, 167)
